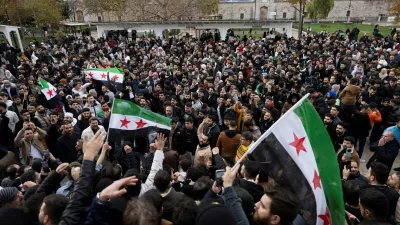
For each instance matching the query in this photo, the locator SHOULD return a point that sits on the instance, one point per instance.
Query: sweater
(228, 142)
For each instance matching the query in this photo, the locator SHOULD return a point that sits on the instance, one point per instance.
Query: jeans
(361, 144)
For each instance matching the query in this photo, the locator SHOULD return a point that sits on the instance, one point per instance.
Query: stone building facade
(366, 10)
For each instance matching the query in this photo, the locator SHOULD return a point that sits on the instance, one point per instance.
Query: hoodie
(228, 142)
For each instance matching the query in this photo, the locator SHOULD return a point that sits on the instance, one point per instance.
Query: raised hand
(114, 190)
(91, 148)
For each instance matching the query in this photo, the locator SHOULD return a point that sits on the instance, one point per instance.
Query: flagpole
(268, 132)
(108, 130)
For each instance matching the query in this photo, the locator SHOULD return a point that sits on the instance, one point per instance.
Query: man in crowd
(385, 151)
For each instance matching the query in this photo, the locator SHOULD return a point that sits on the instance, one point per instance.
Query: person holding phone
(347, 153)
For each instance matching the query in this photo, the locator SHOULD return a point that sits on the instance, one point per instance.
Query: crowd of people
(221, 96)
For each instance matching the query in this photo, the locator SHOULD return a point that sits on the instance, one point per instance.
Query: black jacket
(189, 141)
(255, 190)
(213, 134)
(385, 154)
(50, 184)
(360, 125)
(76, 210)
(66, 150)
(51, 139)
(127, 161)
(394, 117)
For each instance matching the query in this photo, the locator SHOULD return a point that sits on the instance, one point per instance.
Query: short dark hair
(162, 180)
(248, 123)
(336, 107)
(247, 200)
(55, 206)
(341, 124)
(365, 106)
(375, 201)
(148, 214)
(12, 171)
(395, 101)
(232, 124)
(351, 191)
(154, 197)
(252, 168)
(201, 187)
(284, 204)
(112, 171)
(212, 117)
(380, 171)
(353, 81)
(247, 135)
(185, 212)
(349, 139)
(330, 116)
(185, 164)
(3, 94)
(189, 120)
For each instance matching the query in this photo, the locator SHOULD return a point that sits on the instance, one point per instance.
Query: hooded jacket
(228, 142)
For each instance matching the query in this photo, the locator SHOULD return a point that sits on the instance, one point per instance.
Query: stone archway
(264, 13)
(79, 16)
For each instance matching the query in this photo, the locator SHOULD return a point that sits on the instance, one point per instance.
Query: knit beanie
(8, 194)
(208, 210)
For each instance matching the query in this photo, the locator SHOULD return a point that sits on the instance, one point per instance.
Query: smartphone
(46, 154)
(348, 158)
(218, 177)
(45, 167)
(348, 154)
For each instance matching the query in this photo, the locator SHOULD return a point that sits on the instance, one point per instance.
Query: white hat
(68, 114)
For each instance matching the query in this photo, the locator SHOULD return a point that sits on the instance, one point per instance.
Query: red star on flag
(103, 76)
(50, 93)
(115, 77)
(90, 74)
(125, 122)
(316, 180)
(140, 124)
(298, 144)
(326, 217)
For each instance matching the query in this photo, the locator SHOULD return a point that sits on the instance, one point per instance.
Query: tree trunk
(301, 19)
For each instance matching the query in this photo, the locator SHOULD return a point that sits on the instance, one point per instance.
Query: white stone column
(8, 36)
(223, 31)
(19, 40)
(158, 33)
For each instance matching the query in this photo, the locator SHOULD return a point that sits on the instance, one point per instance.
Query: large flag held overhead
(126, 115)
(302, 157)
(101, 74)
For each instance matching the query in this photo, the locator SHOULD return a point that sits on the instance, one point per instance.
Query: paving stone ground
(367, 155)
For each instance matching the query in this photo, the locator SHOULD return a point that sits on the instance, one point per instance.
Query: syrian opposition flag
(100, 74)
(302, 156)
(50, 92)
(47, 89)
(127, 116)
